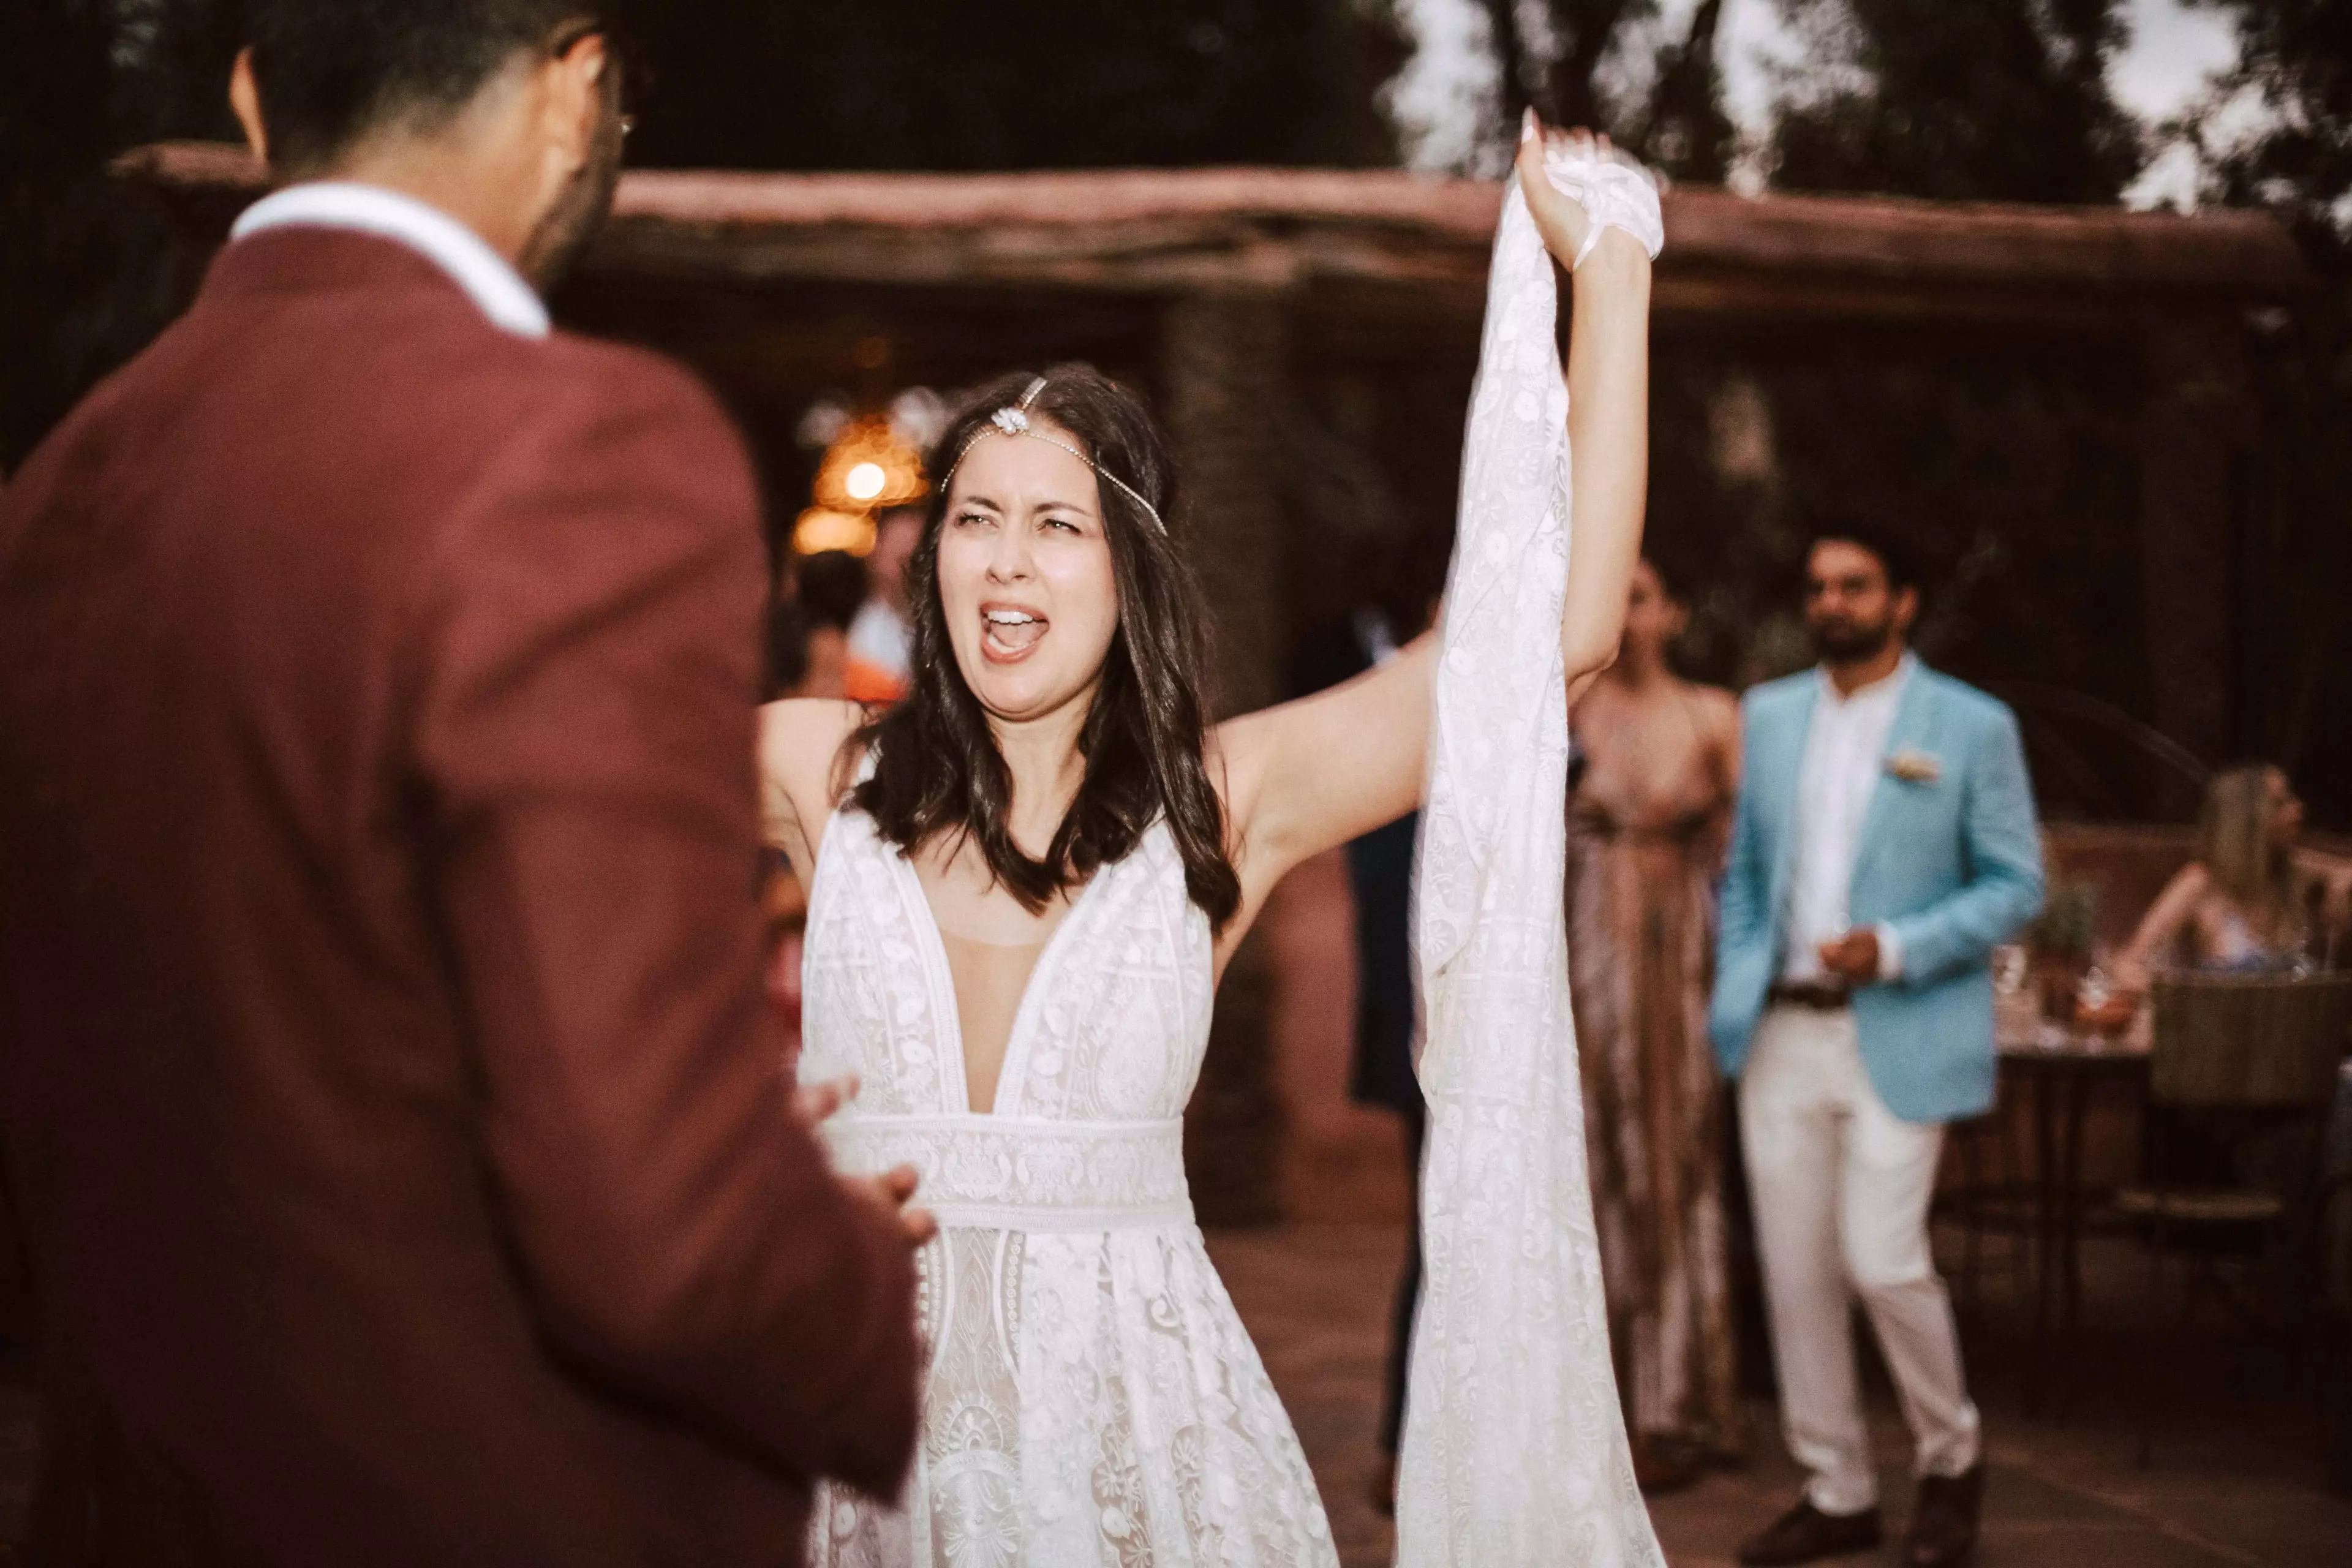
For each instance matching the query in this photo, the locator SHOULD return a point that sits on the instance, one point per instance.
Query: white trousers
(1840, 1186)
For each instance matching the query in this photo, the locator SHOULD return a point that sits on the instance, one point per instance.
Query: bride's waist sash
(1003, 1173)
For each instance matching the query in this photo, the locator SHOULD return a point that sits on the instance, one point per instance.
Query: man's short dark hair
(788, 649)
(330, 71)
(1894, 554)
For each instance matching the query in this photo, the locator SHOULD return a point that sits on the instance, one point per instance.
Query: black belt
(1820, 995)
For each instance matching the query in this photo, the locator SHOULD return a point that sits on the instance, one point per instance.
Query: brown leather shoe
(1806, 1534)
(1943, 1530)
(1661, 1465)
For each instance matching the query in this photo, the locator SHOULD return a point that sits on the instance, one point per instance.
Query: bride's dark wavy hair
(936, 766)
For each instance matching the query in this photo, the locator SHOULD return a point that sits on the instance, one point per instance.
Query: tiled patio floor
(2236, 1480)
(2236, 1484)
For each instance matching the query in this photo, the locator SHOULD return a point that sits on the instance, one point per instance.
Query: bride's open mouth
(1009, 633)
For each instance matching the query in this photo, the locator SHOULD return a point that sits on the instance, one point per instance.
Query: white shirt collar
(498, 289)
(1887, 687)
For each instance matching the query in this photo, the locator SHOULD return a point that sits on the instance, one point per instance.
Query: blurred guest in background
(878, 668)
(782, 904)
(1647, 820)
(2254, 901)
(1400, 599)
(1397, 585)
(1379, 874)
(1885, 842)
(787, 667)
(832, 584)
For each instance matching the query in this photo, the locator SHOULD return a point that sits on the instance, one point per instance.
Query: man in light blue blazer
(1884, 841)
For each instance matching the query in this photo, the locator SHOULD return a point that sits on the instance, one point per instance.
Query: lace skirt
(1092, 1398)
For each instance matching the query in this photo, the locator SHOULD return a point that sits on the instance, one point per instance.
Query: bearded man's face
(1850, 609)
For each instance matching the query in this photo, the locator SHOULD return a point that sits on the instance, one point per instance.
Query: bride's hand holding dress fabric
(1310, 775)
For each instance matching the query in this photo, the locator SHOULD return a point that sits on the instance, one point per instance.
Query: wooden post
(1223, 372)
(2193, 431)
(1224, 365)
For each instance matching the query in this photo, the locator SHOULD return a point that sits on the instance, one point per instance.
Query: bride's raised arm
(1311, 775)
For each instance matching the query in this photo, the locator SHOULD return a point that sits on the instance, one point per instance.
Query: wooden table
(2062, 1064)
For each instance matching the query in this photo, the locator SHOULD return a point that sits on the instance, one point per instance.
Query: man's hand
(892, 1193)
(891, 1190)
(1854, 956)
(818, 1100)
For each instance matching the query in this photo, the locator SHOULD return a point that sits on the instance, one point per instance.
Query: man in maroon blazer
(407, 1164)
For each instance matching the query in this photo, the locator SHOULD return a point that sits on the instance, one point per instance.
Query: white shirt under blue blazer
(1949, 859)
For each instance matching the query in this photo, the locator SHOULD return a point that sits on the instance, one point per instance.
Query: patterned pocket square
(1914, 767)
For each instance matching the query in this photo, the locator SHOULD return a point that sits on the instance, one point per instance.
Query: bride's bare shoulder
(1234, 752)
(802, 741)
(804, 723)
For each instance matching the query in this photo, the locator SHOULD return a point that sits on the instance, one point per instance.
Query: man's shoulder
(621, 370)
(1972, 705)
(345, 303)
(479, 405)
(626, 409)
(410, 360)
(1768, 699)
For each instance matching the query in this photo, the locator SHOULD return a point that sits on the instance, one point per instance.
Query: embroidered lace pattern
(1514, 1449)
(1091, 1398)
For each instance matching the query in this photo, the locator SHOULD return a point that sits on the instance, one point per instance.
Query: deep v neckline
(939, 976)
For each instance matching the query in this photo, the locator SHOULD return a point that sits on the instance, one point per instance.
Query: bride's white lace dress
(1092, 1397)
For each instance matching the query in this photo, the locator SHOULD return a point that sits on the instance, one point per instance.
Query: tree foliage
(1554, 53)
(89, 271)
(1987, 101)
(1012, 84)
(2296, 63)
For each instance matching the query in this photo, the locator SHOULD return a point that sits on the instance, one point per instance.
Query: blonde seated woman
(2245, 905)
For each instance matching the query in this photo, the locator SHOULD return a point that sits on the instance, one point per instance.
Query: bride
(1025, 881)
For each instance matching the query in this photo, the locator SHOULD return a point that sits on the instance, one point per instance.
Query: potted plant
(2060, 939)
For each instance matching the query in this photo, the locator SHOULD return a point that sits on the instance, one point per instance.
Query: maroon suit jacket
(397, 1129)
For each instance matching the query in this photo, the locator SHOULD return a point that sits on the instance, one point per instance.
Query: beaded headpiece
(1012, 420)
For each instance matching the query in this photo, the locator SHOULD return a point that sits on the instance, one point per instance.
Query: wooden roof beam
(1189, 230)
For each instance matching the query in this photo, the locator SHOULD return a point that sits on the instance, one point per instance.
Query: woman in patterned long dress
(1646, 828)
(1025, 880)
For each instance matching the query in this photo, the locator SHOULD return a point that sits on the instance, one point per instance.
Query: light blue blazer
(1954, 864)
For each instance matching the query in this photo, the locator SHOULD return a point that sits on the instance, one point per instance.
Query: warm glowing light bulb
(821, 530)
(864, 481)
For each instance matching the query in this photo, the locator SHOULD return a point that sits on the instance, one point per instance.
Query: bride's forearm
(1608, 449)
